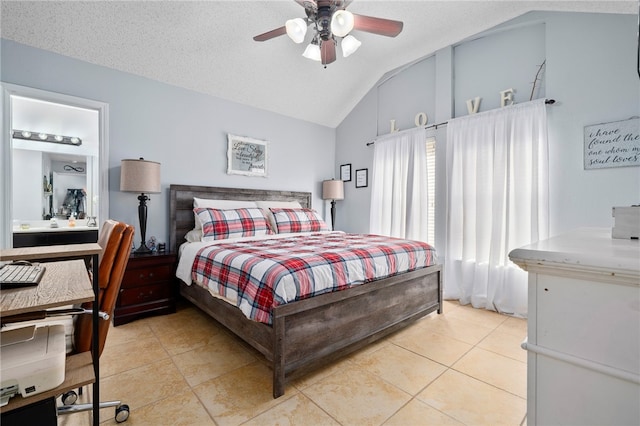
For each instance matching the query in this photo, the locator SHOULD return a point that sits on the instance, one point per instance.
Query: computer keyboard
(20, 275)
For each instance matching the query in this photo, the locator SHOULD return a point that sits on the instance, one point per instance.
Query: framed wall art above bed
(247, 156)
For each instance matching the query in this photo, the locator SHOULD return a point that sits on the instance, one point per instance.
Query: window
(400, 191)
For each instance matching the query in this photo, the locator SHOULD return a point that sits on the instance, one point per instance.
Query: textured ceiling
(207, 46)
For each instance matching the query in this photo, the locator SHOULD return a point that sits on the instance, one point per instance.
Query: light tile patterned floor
(464, 367)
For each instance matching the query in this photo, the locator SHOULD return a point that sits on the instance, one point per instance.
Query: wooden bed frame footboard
(315, 331)
(309, 333)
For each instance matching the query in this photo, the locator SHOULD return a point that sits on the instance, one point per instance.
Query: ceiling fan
(330, 20)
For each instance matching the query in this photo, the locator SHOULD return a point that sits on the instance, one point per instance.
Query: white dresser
(583, 339)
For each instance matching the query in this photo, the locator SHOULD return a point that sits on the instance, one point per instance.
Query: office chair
(117, 238)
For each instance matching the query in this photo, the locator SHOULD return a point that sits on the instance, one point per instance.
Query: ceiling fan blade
(380, 26)
(271, 34)
(328, 51)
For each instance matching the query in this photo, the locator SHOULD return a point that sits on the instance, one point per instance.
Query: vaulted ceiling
(207, 46)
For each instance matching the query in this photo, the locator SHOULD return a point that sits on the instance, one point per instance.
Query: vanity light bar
(46, 137)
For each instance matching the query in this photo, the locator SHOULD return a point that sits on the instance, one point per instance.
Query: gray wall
(183, 130)
(505, 59)
(416, 87)
(590, 70)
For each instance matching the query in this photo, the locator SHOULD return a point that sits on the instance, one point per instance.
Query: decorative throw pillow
(218, 224)
(298, 220)
(219, 204)
(266, 206)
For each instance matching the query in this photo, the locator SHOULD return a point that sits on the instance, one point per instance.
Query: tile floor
(464, 367)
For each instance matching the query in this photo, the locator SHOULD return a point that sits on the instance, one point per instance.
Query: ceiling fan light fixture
(296, 29)
(312, 52)
(349, 45)
(342, 23)
(331, 23)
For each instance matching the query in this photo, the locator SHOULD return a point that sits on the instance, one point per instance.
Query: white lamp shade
(333, 190)
(140, 176)
(349, 45)
(342, 23)
(312, 52)
(296, 29)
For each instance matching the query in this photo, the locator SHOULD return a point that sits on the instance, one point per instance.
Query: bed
(308, 333)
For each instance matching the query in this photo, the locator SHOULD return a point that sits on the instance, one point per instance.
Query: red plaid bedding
(260, 274)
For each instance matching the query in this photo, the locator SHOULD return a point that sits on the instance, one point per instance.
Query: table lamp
(141, 176)
(333, 190)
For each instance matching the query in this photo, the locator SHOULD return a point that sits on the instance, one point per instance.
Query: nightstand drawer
(148, 287)
(141, 276)
(145, 294)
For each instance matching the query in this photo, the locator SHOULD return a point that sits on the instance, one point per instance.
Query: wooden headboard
(181, 205)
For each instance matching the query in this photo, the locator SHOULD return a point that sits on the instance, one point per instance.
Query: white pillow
(194, 235)
(219, 204)
(266, 205)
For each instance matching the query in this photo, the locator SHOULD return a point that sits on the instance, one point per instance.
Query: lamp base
(143, 249)
(142, 217)
(333, 215)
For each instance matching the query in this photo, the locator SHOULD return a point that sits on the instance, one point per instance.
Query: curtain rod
(444, 123)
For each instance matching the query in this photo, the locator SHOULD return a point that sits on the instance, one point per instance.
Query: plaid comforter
(260, 274)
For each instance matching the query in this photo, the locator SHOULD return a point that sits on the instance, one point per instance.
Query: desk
(64, 283)
(51, 252)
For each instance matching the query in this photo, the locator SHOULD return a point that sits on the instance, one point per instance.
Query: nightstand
(148, 287)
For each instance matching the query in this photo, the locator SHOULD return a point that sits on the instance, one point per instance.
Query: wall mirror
(53, 184)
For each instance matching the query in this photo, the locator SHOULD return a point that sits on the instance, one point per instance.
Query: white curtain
(497, 200)
(399, 198)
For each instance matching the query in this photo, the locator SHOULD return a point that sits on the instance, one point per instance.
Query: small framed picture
(345, 172)
(362, 178)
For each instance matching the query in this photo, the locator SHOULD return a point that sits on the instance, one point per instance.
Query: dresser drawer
(144, 294)
(141, 276)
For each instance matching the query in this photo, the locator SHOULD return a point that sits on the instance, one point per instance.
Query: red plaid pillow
(298, 220)
(220, 224)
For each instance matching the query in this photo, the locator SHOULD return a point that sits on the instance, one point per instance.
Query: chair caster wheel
(69, 398)
(122, 413)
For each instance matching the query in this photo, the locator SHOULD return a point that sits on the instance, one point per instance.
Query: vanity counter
(40, 233)
(66, 228)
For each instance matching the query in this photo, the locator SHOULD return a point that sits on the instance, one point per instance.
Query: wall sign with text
(614, 144)
(246, 156)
